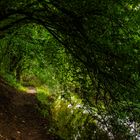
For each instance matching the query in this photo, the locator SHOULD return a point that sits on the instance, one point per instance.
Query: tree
(102, 35)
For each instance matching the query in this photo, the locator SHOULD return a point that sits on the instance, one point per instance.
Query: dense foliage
(83, 48)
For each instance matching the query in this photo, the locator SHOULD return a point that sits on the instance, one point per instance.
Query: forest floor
(19, 117)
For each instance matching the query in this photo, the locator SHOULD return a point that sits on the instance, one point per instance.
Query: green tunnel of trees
(91, 47)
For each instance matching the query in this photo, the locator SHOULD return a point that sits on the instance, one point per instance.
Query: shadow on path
(19, 118)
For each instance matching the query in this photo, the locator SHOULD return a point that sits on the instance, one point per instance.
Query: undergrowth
(11, 80)
(70, 118)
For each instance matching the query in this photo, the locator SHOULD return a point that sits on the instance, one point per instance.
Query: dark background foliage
(95, 42)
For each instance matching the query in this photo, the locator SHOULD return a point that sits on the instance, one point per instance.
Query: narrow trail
(31, 90)
(19, 118)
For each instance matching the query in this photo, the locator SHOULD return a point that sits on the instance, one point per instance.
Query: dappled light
(69, 70)
(19, 117)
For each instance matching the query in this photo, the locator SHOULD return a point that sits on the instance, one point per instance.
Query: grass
(68, 117)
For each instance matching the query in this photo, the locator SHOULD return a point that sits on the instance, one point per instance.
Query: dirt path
(31, 90)
(19, 118)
